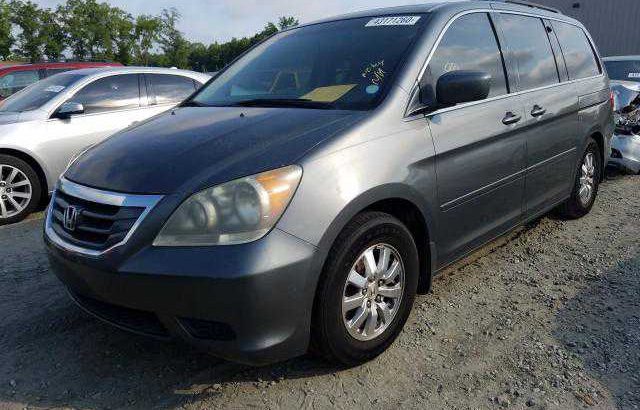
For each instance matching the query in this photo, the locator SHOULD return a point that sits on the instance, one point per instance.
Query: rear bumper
(247, 303)
(626, 152)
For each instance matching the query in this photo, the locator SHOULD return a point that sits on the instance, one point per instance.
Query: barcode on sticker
(393, 21)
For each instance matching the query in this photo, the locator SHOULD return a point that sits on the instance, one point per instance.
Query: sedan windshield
(623, 70)
(40, 93)
(348, 64)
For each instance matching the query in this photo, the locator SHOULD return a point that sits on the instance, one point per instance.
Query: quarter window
(470, 44)
(577, 50)
(117, 92)
(170, 88)
(530, 46)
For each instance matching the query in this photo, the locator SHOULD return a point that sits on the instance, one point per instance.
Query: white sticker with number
(393, 21)
(634, 75)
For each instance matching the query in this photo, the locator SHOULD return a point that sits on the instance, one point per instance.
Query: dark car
(307, 193)
(14, 78)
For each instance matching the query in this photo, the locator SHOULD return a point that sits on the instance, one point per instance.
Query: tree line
(88, 30)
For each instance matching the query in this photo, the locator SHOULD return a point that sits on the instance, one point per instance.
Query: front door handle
(511, 118)
(538, 111)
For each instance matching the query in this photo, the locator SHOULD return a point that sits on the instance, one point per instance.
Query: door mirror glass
(68, 109)
(458, 87)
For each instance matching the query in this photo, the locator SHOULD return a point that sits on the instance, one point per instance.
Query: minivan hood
(192, 148)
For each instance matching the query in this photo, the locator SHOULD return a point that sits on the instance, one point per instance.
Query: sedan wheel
(20, 190)
(15, 191)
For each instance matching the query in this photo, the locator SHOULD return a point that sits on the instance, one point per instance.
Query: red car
(14, 78)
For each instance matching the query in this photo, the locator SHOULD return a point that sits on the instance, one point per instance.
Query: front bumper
(626, 152)
(248, 303)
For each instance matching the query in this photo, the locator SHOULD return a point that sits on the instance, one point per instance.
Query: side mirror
(458, 87)
(68, 109)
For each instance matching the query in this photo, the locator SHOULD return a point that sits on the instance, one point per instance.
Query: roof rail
(530, 4)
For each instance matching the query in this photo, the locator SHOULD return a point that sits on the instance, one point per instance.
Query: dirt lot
(549, 319)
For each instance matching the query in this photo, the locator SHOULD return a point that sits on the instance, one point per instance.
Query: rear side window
(113, 93)
(530, 46)
(578, 53)
(15, 81)
(170, 88)
(470, 44)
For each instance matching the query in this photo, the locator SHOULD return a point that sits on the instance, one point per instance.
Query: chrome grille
(97, 226)
(90, 221)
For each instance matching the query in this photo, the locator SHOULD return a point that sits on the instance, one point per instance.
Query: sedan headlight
(235, 212)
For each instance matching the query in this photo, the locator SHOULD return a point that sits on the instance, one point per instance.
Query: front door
(111, 104)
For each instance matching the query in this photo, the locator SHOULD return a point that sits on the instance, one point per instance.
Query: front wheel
(587, 182)
(19, 190)
(367, 289)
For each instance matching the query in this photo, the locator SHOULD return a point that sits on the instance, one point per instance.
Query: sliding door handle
(511, 118)
(538, 111)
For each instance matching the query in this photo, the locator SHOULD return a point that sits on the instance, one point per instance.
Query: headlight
(236, 212)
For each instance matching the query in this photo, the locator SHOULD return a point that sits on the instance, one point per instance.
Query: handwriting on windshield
(375, 72)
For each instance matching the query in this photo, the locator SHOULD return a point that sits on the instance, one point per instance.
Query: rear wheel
(367, 289)
(19, 190)
(585, 189)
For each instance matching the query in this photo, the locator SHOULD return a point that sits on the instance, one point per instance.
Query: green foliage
(6, 37)
(88, 29)
(26, 15)
(52, 35)
(147, 33)
(172, 42)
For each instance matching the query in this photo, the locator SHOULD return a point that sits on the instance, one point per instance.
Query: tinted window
(170, 88)
(528, 40)
(623, 70)
(39, 93)
(117, 92)
(470, 44)
(13, 82)
(347, 64)
(581, 61)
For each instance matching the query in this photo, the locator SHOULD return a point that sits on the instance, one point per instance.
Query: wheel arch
(400, 201)
(34, 164)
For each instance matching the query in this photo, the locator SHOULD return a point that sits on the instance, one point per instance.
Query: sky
(207, 21)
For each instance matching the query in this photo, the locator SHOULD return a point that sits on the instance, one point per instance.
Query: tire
(20, 190)
(380, 234)
(577, 205)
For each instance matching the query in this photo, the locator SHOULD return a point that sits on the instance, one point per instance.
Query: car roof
(36, 66)
(449, 6)
(135, 70)
(622, 58)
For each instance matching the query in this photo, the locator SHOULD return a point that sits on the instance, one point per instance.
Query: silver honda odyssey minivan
(308, 192)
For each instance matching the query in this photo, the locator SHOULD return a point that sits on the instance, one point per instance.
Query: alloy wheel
(15, 191)
(587, 179)
(373, 292)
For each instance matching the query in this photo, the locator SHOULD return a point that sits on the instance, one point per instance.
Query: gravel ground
(547, 318)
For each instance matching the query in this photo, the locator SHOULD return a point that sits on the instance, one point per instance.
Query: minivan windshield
(40, 93)
(347, 64)
(623, 70)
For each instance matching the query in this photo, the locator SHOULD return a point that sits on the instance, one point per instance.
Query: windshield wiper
(284, 102)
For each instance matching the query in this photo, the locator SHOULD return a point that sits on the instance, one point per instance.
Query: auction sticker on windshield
(393, 21)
